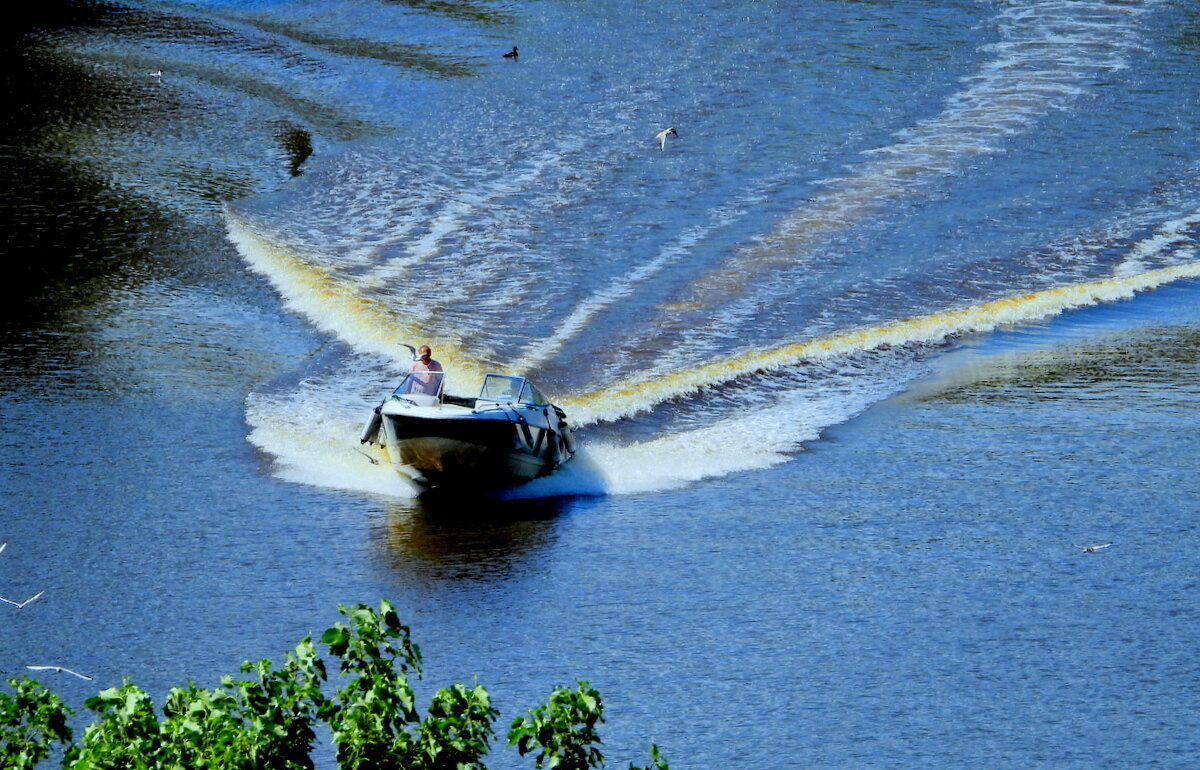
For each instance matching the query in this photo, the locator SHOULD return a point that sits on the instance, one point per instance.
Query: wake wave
(1048, 55)
(433, 264)
(369, 325)
(462, 255)
(636, 395)
(310, 430)
(539, 351)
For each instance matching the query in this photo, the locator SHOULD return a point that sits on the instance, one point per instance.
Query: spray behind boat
(370, 431)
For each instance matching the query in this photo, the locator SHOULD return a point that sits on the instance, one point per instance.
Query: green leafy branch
(269, 720)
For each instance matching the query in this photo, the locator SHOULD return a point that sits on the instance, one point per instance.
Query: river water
(905, 315)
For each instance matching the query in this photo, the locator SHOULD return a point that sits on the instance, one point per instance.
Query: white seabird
(60, 670)
(661, 136)
(1093, 548)
(20, 605)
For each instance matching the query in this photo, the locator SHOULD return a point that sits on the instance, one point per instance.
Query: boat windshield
(422, 383)
(501, 387)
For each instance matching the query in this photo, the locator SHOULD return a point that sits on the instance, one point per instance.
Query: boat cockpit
(428, 389)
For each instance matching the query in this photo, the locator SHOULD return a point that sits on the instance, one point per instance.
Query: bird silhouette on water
(511, 54)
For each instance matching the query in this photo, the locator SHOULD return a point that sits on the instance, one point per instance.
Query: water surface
(906, 314)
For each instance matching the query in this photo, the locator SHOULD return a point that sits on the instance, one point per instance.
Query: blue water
(904, 316)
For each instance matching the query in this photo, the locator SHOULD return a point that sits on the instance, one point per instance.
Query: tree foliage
(563, 731)
(32, 720)
(269, 720)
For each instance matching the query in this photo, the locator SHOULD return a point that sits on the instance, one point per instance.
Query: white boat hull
(470, 444)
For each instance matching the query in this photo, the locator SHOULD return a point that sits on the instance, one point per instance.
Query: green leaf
(337, 638)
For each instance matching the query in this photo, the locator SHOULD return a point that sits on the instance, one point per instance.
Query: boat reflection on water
(481, 540)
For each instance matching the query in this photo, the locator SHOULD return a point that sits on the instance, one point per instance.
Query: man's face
(423, 354)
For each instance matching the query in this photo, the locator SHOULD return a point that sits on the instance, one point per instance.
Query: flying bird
(3, 546)
(21, 605)
(661, 136)
(511, 54)
(60, 670)
(1093, 548)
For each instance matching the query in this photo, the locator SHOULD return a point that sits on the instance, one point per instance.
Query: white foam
(316, 446)
(1168, 237)
(312, 442)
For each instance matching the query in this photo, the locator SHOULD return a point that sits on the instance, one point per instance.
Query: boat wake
(725, 417)
(733, 349)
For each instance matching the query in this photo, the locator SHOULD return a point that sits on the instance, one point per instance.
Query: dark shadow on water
(459, 537)
(1149, 343)
(466, 542)
(461, 10)
(69, 236)
(465, 507)
(296, 142)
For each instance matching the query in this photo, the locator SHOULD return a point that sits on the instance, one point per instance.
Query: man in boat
(424, 383)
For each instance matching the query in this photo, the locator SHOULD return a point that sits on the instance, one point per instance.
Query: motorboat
(507, 435)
